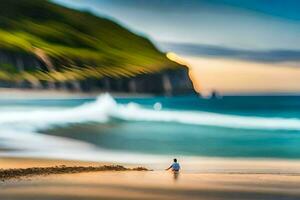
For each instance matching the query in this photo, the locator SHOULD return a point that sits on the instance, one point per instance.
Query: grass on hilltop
(79, 44)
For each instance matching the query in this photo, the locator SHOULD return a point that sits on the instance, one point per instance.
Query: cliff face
(47, 46)
(166, 82)
(12, 64)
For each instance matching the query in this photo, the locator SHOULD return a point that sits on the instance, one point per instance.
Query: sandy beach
(252, 179)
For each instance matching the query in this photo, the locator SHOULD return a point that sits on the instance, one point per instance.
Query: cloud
(276, 55)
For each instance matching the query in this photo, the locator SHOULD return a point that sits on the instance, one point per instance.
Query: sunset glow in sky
(234, 76)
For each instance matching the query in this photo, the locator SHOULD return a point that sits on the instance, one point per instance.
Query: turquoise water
(234, 126)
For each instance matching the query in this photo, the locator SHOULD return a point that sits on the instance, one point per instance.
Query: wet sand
(157, 184)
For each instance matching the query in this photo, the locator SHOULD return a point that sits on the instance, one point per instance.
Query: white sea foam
(135, 113)
(18, 129)
(105, 108)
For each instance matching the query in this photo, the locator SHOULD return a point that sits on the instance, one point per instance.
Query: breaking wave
(105, 108)
(19, 129)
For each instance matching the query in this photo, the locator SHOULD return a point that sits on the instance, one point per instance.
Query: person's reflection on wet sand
(175, 175)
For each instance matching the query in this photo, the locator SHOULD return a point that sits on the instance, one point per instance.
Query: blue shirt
(175, 166)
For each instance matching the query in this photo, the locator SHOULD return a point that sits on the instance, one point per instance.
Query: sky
(235, 35)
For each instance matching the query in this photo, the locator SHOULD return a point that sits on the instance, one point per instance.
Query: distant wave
(136, 113)
(105, 108)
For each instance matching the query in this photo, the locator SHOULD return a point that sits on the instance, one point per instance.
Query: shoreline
(157, 184)
(189, 164)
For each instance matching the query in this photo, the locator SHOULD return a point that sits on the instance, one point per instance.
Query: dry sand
(157, 184)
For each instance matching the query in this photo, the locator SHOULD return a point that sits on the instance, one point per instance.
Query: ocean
(143, 130)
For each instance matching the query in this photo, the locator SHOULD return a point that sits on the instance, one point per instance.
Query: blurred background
(139, 81)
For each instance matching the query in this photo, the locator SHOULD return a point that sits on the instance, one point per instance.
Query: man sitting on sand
(175, 166)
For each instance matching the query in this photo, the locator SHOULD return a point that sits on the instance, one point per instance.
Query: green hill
(73, 45)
